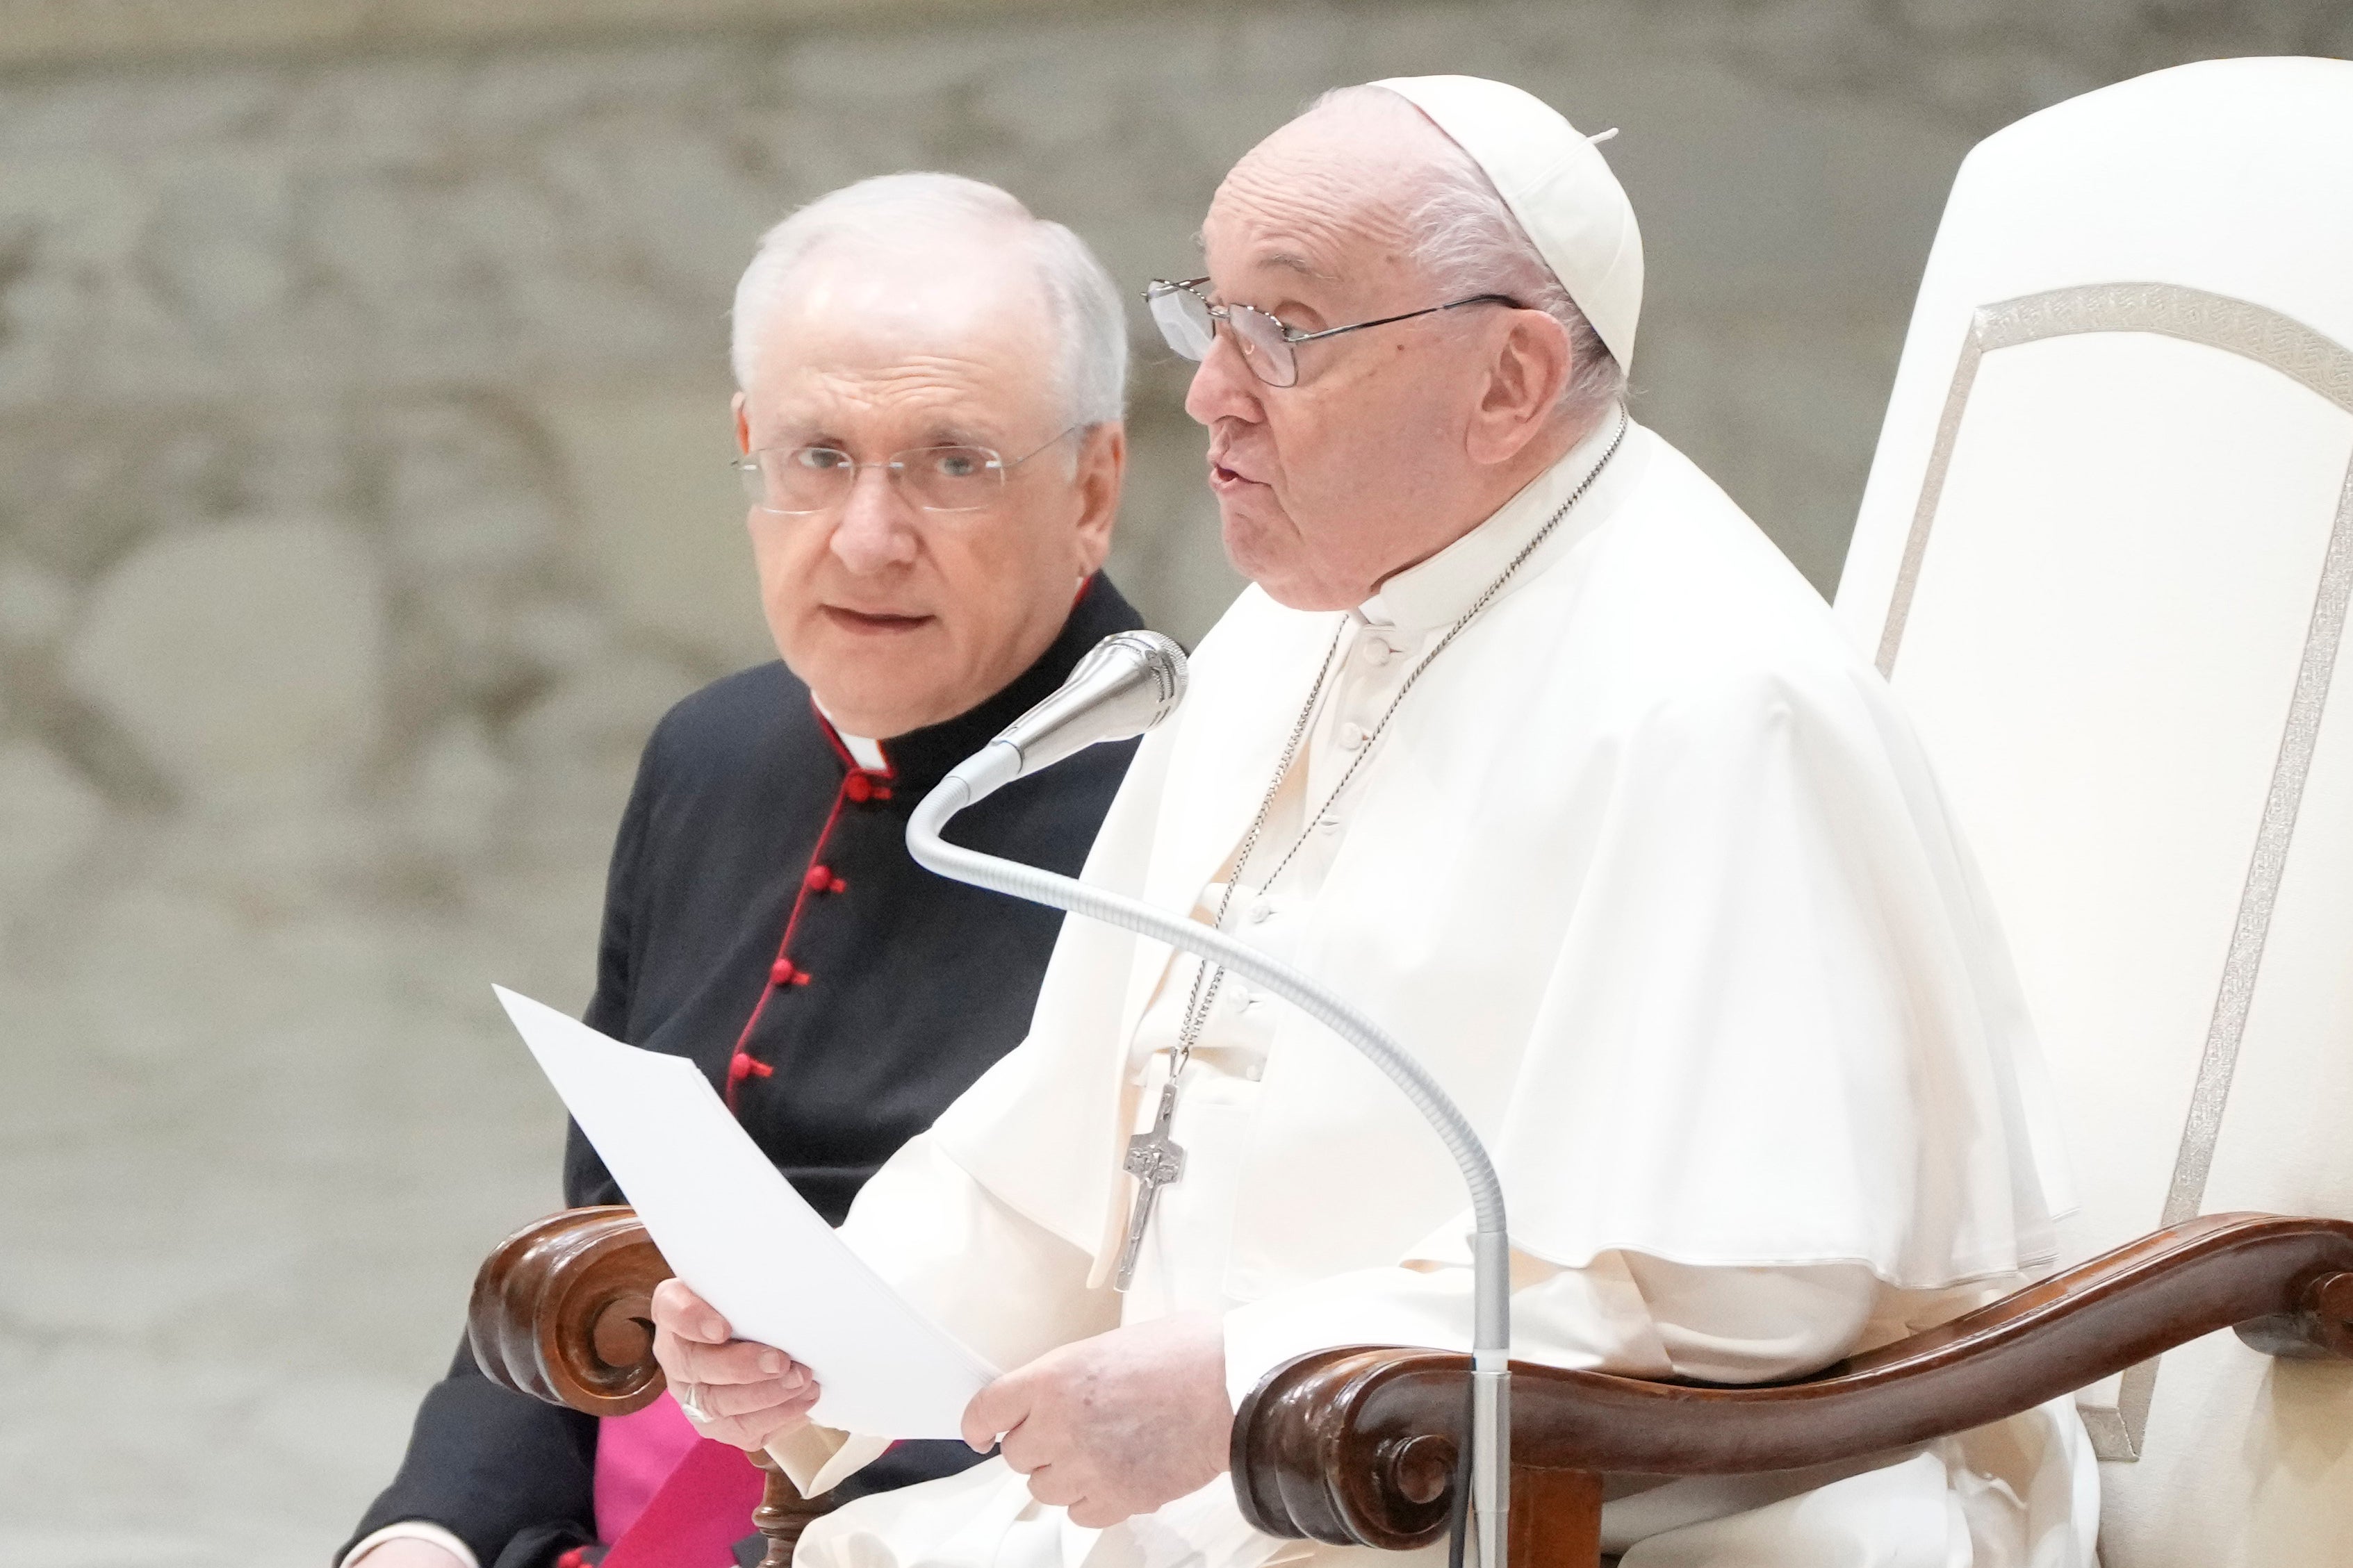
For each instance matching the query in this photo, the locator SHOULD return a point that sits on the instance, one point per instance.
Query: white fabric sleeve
(1004, 1286)
(1753, 1325)
(1623, 1314)
(411, 1530)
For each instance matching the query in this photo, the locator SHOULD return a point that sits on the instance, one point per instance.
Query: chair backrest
(2104, 556)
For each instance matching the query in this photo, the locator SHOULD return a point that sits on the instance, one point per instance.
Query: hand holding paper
(744, 1393)
(735, 1231)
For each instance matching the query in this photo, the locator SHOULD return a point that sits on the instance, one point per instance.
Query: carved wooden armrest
(1359, 1447)
(563, 1310)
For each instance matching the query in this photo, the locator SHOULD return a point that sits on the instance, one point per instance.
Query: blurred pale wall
(362, 502)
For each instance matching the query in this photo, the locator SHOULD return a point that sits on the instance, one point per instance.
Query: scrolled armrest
(563, 1310)
(2318, 1327)
(1354, 1446)
(1325, 1447)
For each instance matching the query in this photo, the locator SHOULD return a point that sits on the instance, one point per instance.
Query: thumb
(994, 1411)
(688, 1315)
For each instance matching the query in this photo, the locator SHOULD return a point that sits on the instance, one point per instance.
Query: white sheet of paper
(734, 1230)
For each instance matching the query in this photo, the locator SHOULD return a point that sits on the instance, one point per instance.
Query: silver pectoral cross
(1155, 1160)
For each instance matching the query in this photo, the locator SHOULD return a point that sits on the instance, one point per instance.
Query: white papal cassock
(1650, 874)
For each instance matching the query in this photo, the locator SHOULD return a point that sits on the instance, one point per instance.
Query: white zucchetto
(1557, 184)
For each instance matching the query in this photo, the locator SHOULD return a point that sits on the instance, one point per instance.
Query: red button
(781, 972)
(819, 878)
(857, 786)
(741, 1066)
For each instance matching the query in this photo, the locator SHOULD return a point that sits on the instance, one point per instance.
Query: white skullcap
(1557, 184)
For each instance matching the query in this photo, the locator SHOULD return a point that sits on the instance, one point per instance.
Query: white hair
(1466, 238)
(914, 214)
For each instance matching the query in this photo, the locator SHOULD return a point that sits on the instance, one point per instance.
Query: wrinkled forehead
(1330, 197)
(964, 287)
(967, 325)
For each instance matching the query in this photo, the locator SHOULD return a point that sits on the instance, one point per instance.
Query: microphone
(1128, 683)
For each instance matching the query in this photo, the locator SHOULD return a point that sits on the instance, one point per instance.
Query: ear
(1523, 382)
(743, 428)
(1102, 469)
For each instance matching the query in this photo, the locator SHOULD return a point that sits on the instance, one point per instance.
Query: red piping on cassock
(859, 785)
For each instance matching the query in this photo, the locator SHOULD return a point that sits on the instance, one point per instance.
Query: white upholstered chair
(2104, 556)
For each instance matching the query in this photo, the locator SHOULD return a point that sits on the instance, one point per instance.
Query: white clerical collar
(865, 753)
(1435, 593)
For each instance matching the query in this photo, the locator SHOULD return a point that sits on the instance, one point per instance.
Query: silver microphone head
(1126, 683)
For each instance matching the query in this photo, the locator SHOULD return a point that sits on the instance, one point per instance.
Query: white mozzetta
(1620, 763)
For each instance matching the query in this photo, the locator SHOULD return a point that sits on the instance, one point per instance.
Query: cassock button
(1377, 652)
(1328, 823)
(782, 973)
(1258, 911)
(857, 786)
(819, 878)
(1350, 736)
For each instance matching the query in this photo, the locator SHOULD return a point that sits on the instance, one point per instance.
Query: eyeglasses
(796, 480)
(1190, 324)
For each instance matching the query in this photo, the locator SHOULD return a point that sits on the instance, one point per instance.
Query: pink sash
(666, 1498)
(635, 1454)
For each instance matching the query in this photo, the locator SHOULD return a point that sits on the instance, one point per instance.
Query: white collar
(867, 754)
(1436, 592)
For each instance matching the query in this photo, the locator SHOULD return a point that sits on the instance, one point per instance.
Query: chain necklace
(1154, 1158)
(1205, 996)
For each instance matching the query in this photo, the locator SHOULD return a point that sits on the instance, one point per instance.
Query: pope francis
(1529, 743)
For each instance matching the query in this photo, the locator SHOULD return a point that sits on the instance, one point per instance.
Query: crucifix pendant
(1155, 1160)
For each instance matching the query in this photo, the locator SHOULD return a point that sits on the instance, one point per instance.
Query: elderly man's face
(1387, 448)
(896, 616)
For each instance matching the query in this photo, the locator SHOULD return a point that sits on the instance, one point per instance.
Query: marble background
(363, 431)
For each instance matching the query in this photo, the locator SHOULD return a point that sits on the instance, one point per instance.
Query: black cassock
(763, 918)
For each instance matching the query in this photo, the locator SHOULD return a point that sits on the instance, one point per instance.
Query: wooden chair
(2106, 555)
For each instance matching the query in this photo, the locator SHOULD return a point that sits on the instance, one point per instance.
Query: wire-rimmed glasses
(814, 477)
(1190, 324)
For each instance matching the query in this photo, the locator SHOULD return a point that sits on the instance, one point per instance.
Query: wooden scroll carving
(563, 1310)
(1359, 1447)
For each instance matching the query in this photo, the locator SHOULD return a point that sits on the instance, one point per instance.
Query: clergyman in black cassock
(763, 918)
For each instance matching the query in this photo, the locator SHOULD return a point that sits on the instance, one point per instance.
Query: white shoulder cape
(1651, 874)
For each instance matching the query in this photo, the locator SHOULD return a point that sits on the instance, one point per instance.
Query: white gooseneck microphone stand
(1127, 684)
